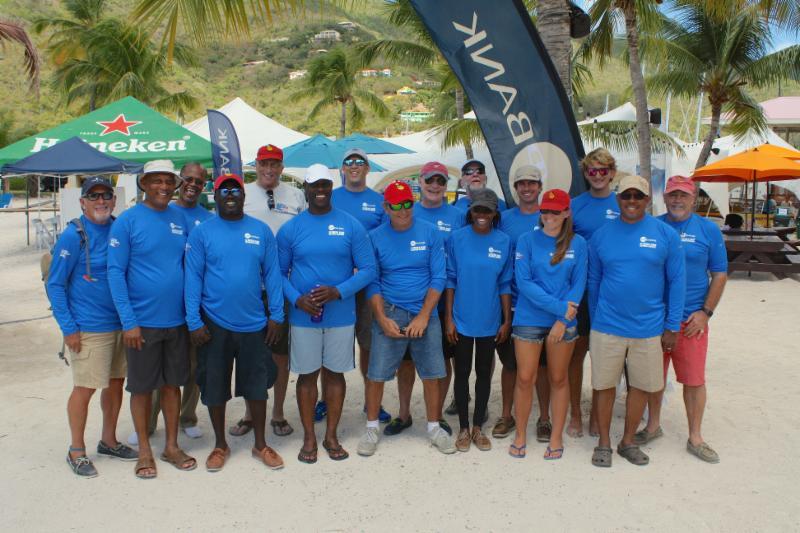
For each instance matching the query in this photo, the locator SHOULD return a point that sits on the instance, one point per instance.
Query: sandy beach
(751, 420)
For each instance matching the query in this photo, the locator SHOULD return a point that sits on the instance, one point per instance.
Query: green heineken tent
(126, 129)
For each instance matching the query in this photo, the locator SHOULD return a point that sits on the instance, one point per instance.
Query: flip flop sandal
(633, 454)
(552, 455)
(281, 427)
(337, 454)
(602, 456)
(144, 463)
(242, 427)
(520, 451)
(180, 460)
(307, 456)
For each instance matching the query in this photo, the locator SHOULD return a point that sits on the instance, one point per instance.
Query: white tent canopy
(624, 112)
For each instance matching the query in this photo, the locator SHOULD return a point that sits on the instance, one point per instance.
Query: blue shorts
(387, 352)
(538, 334)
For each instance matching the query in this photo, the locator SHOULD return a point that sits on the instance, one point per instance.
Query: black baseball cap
(94, 181)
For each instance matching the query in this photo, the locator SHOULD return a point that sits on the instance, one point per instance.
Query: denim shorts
(538, 334)
(387, 352)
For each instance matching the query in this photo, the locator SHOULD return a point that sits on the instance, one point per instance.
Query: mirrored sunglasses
(408, 204)
(356, 162)
(603, 171)
(235, 192)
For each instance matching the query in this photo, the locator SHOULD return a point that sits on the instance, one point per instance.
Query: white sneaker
(442, 441)
(369, 442)
(133, 439)
(193, 432)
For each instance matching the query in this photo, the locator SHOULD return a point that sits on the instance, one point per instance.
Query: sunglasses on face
(356, 162)
(595, 171)
(408, 204)
(471, 171)
(549, 212)
(235, 192)
(633, 195)
(94, 196)
(441, 180)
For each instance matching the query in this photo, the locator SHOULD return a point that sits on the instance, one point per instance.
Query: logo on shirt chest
(517, 256)
(249, 238)
(284, 209)
(494, 253)
(335, 231)
(417, 246)
(646, 242)
(687, 237)
(370, 208)
(176, 229)
(611, 214)
(443, 226)
(64, 254)
(570, 254)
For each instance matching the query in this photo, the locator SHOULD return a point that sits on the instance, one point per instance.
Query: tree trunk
(460, 114)
(708, 142)
(92, 98)
(639, 93)
(552, 22)
(343, 120)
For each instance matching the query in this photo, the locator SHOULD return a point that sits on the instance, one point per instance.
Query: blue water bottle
(318, 318)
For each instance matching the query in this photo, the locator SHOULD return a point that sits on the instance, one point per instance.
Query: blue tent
(317, 149)
(73, 156)
(372, 145)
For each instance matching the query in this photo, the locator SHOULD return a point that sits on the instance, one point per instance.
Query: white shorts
(312, 348)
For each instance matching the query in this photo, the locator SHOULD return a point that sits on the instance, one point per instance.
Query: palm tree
(721, 57)
(334, 77)
(11, 31)
(552, 23)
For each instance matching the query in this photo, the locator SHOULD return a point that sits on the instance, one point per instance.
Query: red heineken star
(118, 124)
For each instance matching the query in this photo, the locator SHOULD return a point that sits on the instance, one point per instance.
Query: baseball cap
(484, 198)
(527, 172)
(269, 151)
(317, 172)
(473, 161)
(680, 183)
(95, 181)
(225, 177)
(431, 169)
(633, 181)
(397, 192)
(555, 200)
(355, 151)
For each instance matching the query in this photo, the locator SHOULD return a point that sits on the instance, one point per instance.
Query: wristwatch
(708, 311)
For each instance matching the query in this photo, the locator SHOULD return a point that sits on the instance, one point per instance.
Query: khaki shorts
(101, 359)
(644, 359)
(363, 320)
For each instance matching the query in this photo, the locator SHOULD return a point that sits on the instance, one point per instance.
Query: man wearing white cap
(145, 275)
(326, 258)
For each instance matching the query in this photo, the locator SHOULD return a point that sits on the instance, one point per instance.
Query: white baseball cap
(317, 172)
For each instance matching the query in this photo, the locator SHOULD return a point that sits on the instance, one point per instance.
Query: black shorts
(255, 369)
(163, 360)
(281, 346)
(584, 323)
(448, 350)
(509, 359)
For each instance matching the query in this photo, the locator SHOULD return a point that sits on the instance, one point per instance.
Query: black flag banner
(516, 94)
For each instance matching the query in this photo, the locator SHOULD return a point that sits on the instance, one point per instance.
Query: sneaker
(369, 442)
(193, 432)
(82, 466)
(445, 426)
(397, 426)
(383, 416)
(320, 411)
(480, 440)
(442, 441)
(120, 451)
(464, 440)
(503, 427)
(543, 430)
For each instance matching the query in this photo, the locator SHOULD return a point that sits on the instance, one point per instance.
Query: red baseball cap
(269, 151)
(555, 200)
(680, 183)
(431, 169)
(225, 177)
(397, 191)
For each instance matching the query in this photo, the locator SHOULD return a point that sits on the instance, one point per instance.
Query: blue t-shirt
(227, 262)
(194, 215)
(464, 202)
(590, 213)
(545, 289)
(324, 250)
(705, 252)
(446, 218)
(145, 267)
(479, 269)
(365, 206)
(81, 303)
(409, 263)
(637, 278)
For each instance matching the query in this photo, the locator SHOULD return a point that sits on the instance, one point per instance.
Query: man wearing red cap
(228, 259)
(705, 254)
(273, 202)
(411, 276)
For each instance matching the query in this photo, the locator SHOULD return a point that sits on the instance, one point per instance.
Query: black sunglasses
(441, 180)
(94, 196)
(270, 198)
(471, 171)
(549, 212)
(408, 204)
(235, 192)
(635, 195)
(356, 162)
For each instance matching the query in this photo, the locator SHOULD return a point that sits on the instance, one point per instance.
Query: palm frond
(11, 31)
(621, 136)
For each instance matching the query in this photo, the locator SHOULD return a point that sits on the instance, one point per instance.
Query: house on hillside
(369, 73)
(295, 74)
(254, 63)
(328, 35)
(347, 25)
(406, 90)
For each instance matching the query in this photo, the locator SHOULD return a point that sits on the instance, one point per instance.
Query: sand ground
(751, 420)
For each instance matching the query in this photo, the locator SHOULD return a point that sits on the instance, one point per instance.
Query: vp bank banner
(126, 129)
(524, 114)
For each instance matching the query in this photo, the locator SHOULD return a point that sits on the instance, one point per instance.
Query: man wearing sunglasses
(364, 204)
(273, 202)
(411, 276)
(77, 286)
(473, 177)
(636, 284)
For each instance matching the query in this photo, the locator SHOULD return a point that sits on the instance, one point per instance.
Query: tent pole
(27, 211)
(753, 219)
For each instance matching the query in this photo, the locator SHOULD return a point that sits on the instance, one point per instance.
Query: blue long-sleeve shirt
(637, 278)
(145, 267)
(81, 303)
(409, 263)
(479, 269)
(704, 249)
(227, 262)
(446, 217)
(365, 206)
(194, 215)
(325, 250)
(545, 289)
(515, 223)
(589, 213)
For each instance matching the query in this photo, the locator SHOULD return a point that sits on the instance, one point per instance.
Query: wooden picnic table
(779, 231)
(761, 253)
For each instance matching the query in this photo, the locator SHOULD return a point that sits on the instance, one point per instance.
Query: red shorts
(689, 358)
